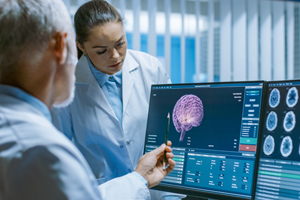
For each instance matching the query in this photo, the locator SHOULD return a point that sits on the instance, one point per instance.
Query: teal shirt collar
(20, 94)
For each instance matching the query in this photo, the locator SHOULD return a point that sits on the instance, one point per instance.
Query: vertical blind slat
(210, 50)
(136, 35)
(290, 40)
(257, 37)
(80, 2)
(167, 45)
(225, 40)
(239, 40)
(252, 39)
(278, 40)
(122, 6)
(265, 40)
(182, 41)
(197, 40)
(152, 27)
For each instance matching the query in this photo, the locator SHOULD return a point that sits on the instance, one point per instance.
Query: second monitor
(214, 130)
(279, 165)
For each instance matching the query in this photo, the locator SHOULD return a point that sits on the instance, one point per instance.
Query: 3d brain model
(187, 113)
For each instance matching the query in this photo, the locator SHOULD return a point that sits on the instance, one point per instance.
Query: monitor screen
(279, 164)
(214, 132)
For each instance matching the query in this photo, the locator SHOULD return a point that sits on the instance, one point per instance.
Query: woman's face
(106, 47)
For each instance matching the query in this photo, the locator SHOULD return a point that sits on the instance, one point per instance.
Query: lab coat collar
(129, 66)
(85, 75)
(100, 76)
(130, 63)
(83, 72)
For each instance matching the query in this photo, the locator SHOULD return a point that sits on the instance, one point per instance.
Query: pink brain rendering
(187, 113)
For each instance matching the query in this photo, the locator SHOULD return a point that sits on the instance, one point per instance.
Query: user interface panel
(214, 132)
(279, 165)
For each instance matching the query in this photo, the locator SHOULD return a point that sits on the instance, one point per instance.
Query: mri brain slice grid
(269, 145)
(289, 121)
(274, 98)
(272, 121)
(292, 97)
(286, 146)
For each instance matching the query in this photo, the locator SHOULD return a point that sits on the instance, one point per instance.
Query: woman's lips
(116, 65)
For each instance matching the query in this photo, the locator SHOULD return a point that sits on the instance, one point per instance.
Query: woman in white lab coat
(107, 119)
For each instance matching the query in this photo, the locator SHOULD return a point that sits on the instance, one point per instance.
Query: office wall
(215, 40)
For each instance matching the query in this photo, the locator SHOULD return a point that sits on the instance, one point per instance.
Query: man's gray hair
(26, 27)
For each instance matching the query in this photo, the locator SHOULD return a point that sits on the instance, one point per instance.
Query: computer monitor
(214, 130)
(279, 164)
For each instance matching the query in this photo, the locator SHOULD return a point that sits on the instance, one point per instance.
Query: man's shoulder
(43, 161)
(19, 115)
(27, 134)
(27, 127)
(21, 132)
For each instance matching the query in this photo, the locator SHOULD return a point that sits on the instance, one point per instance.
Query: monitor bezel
(203, 194)
(282, 81)
(263, 117)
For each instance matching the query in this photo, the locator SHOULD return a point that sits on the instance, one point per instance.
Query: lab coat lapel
(84, 75)
(127, 86)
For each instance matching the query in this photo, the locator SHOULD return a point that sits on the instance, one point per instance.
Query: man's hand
(150, 165)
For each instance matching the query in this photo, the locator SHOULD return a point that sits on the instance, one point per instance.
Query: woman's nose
(115, 54)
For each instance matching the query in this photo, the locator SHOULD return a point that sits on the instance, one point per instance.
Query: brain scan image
(269, 145)
(292, 97)
(289, 121)
(187, 113)
(286, 146)
(274, 98)
(272, 120)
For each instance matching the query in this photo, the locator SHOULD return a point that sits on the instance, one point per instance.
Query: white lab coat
(91, 123)
(38, 162)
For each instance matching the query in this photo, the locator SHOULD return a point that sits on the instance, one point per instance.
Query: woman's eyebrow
(107, 46)
(99, 46)
(120, 38)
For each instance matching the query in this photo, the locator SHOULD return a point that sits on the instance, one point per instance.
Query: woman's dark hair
(91, 14)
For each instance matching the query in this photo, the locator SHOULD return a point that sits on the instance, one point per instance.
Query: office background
(214, 40)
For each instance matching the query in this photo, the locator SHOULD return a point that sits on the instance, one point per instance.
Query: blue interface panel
(213, 129)
(279, 165)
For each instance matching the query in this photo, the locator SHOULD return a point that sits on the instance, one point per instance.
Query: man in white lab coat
(37, 65)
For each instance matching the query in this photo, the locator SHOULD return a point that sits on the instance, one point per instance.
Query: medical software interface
(279, 165)
(213, 129)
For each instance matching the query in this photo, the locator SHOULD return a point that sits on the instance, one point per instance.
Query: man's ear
(60, 46)
(81, 47)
